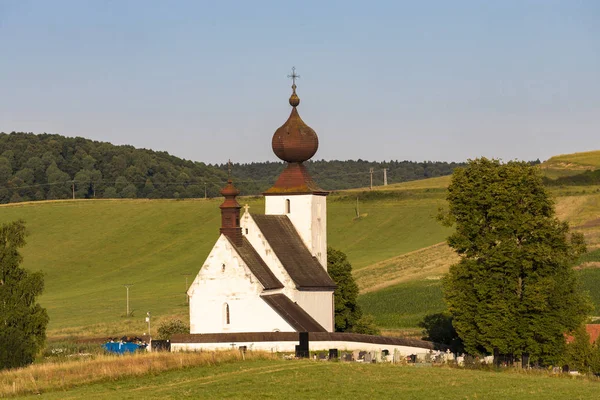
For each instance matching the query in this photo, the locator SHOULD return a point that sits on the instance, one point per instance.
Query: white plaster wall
(313, 346)
(308, 213)
(234, 285)
(319, 305)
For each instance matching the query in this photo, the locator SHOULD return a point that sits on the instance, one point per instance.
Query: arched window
(287, 206)
(226, 316)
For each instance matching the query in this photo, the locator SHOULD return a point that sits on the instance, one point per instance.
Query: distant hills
(572, 169)
(48, 167)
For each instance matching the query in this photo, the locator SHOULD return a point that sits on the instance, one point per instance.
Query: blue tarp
(121, 347)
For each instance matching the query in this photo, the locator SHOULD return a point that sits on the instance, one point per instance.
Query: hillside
(571, 164)
(47, 167)
(89, 249)
(341, 175)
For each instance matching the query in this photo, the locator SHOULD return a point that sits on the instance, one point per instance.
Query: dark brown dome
(229, 189)
(295, 141)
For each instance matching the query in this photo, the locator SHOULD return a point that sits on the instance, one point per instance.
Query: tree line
(257, 177)
(49, 166)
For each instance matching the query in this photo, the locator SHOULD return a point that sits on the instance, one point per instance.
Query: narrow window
(246, 231)
(287, 206)
(226, 314)
(223, 268)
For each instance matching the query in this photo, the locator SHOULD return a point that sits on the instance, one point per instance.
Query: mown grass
(53, 376)
(306, 379)
(426, 263)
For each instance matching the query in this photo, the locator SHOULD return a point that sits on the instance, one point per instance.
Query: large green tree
(514, 290)
(348, 315)
(22, 320)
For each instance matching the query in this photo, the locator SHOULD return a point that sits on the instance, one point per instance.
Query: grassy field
(404, 305)
(276, 379)
(570, 164)
(89, 249)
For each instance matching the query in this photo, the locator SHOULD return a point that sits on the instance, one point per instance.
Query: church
(268, 273)
(264, 284)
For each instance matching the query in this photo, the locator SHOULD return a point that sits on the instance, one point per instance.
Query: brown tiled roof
(295, 179)
(304, 269)
(256, 264)
(292, 313)
(594, 331)
(294, 337)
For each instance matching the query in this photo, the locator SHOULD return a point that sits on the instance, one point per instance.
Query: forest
(50, 166)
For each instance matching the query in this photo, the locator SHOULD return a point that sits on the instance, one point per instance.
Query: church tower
(230, 214)
(294, 193)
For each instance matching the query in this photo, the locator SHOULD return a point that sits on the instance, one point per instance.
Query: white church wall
(225, 282)
(308, 213)
(319, 305)
(290, 346)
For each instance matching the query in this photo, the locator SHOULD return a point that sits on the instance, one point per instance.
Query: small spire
(229, 170)
(294, 99)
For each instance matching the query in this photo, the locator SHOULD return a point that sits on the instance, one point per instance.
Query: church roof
(256, 265)
(304, 269)
(295, 141)
(292, 313)
(295, 179)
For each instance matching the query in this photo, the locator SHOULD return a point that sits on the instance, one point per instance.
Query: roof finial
(294, 99)
(293, 76)
(229, 170)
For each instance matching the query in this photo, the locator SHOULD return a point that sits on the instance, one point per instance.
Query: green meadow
(89, 249)
(277, 379)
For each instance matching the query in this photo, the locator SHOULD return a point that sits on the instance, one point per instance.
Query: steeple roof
(295, 142)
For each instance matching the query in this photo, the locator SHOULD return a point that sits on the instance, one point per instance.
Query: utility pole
(187, 298)
(357, 212)
(204, 190)
(148, 321)
(385, 177)
(127, 286)
(371, 172)
(73, 188)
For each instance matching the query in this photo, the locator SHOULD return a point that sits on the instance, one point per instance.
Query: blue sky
(421, 80)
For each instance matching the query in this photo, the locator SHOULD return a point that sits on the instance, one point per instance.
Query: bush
(172, 327)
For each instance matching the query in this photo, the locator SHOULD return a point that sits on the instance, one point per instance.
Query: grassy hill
(89, 249)
(571, 164)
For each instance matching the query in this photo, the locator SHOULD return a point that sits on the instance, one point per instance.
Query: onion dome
(229, 189)
(295, 141)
